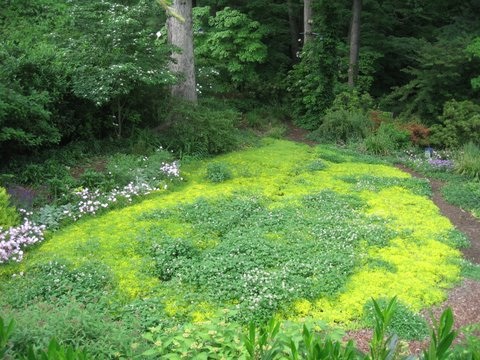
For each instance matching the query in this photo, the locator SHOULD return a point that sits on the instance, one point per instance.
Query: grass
(294, 232)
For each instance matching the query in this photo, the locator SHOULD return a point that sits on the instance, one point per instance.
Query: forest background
(96, 70)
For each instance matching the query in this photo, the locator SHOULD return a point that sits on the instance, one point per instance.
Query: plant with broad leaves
(228, 46)
(114, 52)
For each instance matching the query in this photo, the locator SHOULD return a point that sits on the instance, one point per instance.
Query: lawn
(282, 230)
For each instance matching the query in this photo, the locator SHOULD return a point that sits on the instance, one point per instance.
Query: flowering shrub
(16, 238)
(441, 164)
(88, 202)
(430, 160)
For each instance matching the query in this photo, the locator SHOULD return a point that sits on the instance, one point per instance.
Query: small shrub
(353, 101)
(379, 144)
(342, 126)
(201, 130)
(456, 239)
(469, 348)
(92, 179)
(52, 216)
(5, 333)
(419, 133)
(459, 124)
(276, 132)
(332, 156)
(386, 140)
(468, 161)
(123, 169)
(8, 214)
(260, 119)
(218, 172)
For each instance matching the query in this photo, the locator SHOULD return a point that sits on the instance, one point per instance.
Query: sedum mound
(283, 229)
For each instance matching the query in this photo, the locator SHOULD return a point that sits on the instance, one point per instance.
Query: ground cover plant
(293, 232)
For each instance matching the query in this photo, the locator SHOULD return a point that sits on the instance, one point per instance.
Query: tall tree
(354, 43)
(180, 34)
(292, 21)
(307, 20)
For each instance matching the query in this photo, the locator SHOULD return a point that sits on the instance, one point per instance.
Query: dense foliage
(69, 71)
(105, 246)
(228, 245)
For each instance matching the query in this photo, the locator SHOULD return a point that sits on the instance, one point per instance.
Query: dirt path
(464, 299)
(462, 220)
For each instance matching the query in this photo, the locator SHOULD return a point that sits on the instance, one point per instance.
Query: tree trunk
(307, 20)
(354, 43)
(180, 34)
(292, 20)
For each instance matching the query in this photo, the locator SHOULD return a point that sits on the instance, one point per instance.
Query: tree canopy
(82, 69)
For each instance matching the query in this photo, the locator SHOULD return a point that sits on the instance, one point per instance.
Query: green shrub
(459, 124)
(387, 139)
(122, 168)
(467, 161)
(456, 239)
(469, 348)
(201, 130)
(379, 144)
(218, 172)
(316, 165)
(376, 183)
(343, 126)
(92, 179)
(276, 132)
(332, 156)
(127, 168)
(8, 214)
(353, 101)
(260, 118)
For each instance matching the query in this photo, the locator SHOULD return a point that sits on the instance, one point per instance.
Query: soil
(464, 299)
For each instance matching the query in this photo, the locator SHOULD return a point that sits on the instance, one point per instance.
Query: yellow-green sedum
(281, 173)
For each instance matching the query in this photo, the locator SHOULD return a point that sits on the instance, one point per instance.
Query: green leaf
(151, 352)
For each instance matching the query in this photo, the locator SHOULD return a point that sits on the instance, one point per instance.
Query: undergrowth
(282, 236)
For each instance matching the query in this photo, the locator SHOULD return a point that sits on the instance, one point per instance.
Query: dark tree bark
(180, 34)
(292, 21)
(354, 43)
(307, 20)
